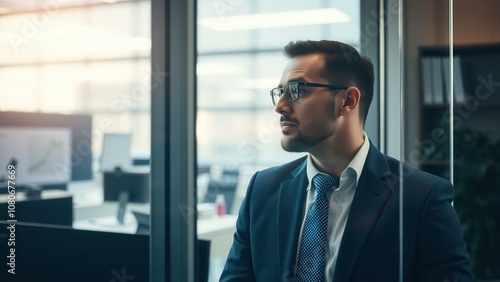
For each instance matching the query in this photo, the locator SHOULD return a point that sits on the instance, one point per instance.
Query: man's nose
(282, 105)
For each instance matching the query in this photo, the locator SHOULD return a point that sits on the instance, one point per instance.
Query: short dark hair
(343, 65)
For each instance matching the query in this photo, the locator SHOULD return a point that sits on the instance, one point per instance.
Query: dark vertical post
(173, 155)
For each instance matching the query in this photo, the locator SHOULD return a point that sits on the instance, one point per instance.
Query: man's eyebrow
(300, 78)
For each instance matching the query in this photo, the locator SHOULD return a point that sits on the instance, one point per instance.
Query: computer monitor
(116, 149)
(47, 136)
(40, 155)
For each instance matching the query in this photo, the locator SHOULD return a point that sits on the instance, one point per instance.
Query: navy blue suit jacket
(270, 217)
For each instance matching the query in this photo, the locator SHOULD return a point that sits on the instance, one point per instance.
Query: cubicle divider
(37, 252)
(41, 252)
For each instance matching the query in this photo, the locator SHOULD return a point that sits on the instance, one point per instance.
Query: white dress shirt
(340, 204)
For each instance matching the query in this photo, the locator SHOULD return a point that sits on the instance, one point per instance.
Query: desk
(219, 230)
(92, 213)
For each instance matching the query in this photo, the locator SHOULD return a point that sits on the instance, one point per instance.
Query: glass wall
(78, 57)
(240, 59)
(451, 108)
(75, 104)
(89, 58)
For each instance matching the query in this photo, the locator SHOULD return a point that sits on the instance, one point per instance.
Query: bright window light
(4, 10)
(217, 69)
(275, 20)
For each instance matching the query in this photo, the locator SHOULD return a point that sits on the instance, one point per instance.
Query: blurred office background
(82, 70)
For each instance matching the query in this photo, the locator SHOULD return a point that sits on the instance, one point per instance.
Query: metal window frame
(173, 146)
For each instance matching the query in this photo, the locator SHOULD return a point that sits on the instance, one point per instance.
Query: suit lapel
(290, 213)
(369, 199)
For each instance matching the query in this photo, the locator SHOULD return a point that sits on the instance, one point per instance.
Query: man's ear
(350, 100)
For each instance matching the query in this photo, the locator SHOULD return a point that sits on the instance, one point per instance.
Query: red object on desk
(220, 201)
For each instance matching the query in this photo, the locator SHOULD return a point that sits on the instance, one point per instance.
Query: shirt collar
(356, 165)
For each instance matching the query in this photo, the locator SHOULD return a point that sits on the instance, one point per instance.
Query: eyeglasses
(292, 90)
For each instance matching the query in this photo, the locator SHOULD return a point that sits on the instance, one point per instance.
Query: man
(299, 223)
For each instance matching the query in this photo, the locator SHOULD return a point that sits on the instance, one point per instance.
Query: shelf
(443, 50)
(486, 105)
(475, 68)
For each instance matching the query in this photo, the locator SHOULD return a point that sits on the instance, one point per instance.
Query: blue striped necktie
(311, 262)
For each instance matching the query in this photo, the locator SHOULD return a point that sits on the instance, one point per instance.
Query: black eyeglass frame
(297, 84)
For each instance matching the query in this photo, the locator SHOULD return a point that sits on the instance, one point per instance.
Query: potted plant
(477, 199)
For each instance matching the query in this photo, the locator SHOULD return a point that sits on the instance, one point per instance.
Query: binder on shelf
(427, 80)
(458, 80)
(436, 80)
(437, 89)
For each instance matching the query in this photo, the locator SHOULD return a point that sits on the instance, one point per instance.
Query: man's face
(310, 122)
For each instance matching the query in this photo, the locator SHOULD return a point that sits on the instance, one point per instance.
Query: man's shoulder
(285, 168)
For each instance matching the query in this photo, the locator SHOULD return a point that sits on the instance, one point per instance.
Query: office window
(239, 62)
(79, 57)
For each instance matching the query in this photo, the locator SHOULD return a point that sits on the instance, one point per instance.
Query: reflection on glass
(475, 151)
(471, 72)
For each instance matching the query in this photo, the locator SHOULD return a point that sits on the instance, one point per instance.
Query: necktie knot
(323, 182)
